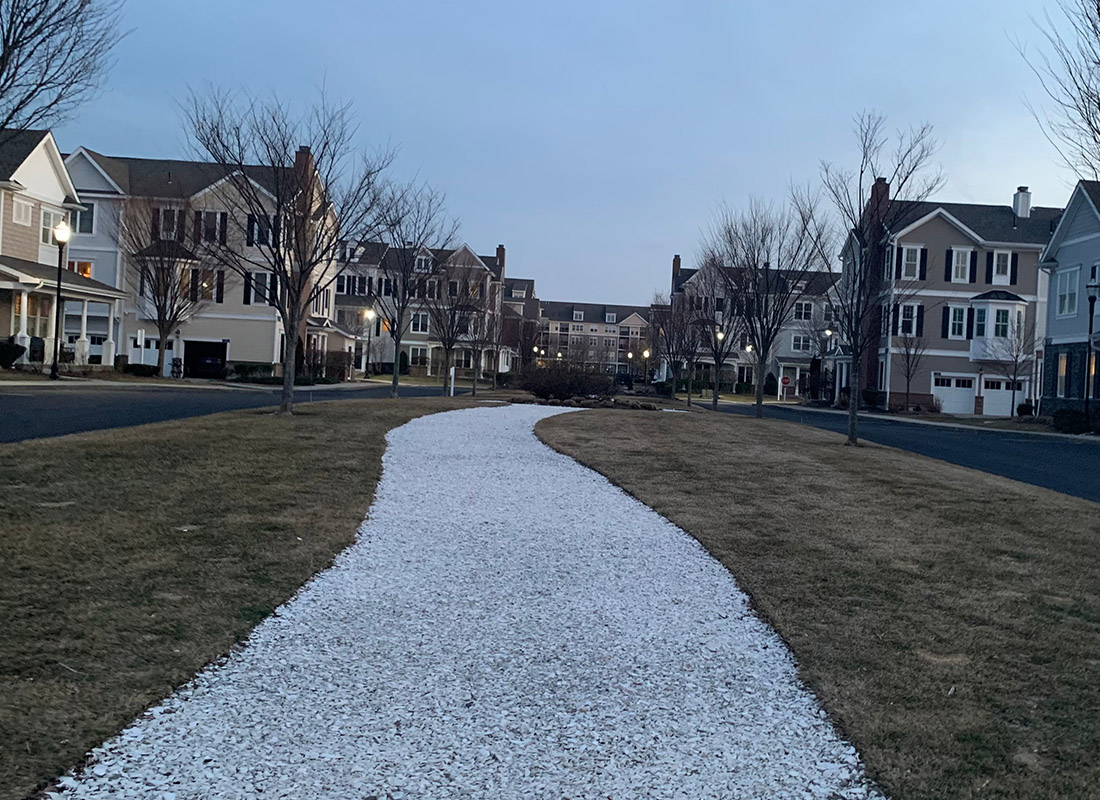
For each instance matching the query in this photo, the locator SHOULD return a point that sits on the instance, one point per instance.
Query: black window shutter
(1015, 269)
(920, 320)
(272, 289)
(156, 224)
(897, 261)
(223, 224)
(250, 235)
(198, 227)
(989, 267)
(195, 285)
(947, 262)
(944, 330)
(969, 323)
(181, 224)
(219, 286)
(924, 263)
(248, 288)
(894, 323)
(973, 270)
(370, 284)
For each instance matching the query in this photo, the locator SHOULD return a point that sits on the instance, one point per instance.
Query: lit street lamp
(61, 233)
(1093, 289)
(559, 354)
(645, 355)
(370, 315)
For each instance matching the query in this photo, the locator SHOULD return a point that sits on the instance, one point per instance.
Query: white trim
(89, 157)
(939, 211)
(19, 202)
(955, 263)
(1075, 272)
(1070, 338)
(1027, 298)
(951, 322)
(1081, 239)
(1007, 279)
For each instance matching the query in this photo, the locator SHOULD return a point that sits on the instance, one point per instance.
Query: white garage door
(998, 397)
(956, 395)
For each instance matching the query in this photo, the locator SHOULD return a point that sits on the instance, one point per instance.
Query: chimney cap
(1021, 188)
(880, 180)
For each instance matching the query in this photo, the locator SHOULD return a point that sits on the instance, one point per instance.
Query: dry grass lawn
(131, 558)
(948, 619)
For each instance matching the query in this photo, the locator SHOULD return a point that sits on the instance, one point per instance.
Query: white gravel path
(510, 625)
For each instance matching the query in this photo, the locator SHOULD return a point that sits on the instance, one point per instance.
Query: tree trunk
(717, 386)
(446, 372)
(761, 363)
(477, 363)
(1012, 410)
(691, 381)
(853, 403)
(286, 401)
(160, 349)
(396, 366)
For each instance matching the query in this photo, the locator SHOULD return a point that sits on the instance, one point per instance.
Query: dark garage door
(203, 359)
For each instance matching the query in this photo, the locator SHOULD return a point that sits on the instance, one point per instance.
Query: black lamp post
(1093, 289)
(61, 233)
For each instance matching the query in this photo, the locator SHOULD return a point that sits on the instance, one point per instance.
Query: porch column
(108, 356)
(431, 352)
(21, 336)
(797, 380)
(81, 354)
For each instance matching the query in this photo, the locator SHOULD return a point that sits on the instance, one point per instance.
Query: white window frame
(912, 309)
(578, 316)
(997, 323)
(423, 264)
(951, 323)
(79, 215)
(420, 322)
(955, 265)
(1063, 363)
(47, 230)
(906, 250)
(1006, 279)
(22, 212)
(1068, 284)
(979, 323)
(797, 342)
(73, 265)
(611, 319)
(804, 310)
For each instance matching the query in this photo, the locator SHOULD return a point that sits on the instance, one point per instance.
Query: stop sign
(786, 380)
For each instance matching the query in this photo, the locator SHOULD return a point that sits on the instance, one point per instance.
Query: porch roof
(19, 270)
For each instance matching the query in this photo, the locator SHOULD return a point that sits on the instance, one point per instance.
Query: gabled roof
(557, 311)
(167, 249)
(48, 274)
(818, 282)
(163, 177)
(15, 148)
(990, 223)
(525, 285)
(683, 277)
(999, 294)
(1085, 192)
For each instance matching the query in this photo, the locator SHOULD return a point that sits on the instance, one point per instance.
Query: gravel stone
(508, 625)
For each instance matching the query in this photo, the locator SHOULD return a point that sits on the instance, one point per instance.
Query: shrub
(744, 388)
(10, 353)
(563, 383)
(1025, 410)
(663, 388)
(771, 385)
(141, 370)
(246, 370)
(1070, 420)
(121, 360)
(871, 397)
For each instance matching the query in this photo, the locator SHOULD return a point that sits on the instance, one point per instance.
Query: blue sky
(595, 139)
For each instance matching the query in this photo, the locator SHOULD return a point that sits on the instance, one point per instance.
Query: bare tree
(869, 200)
(675, 334)
(454, 300)
(53, 57)
(417, 229)
(769, 254)
(1011, 355)
(1070, 75)
(295, 190)
(719, 327)
(910, 355)
(166, 276)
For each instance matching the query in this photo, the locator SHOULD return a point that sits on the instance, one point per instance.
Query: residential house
(961, 284)
(611, 338)
(802, 342)
(37, 193)
(233, 321)
(1072, 258)
(370, 277)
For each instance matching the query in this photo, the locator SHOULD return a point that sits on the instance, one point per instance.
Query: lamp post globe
(61, 234)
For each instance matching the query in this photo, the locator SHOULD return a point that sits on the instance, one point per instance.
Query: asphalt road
(31, 412)
(1069, 465)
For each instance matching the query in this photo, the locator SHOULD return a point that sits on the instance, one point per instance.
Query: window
(1000, 324)
(1002, 260)
(593, 341)
(1063, 369)
(830, 313)
(260, 287)
(21, 212)
(624, 331)
(610, 329)
(519, 294)
(84, 221)
(993, 385)
(423, 264)
(908, 320)
(958, 323)
(38, 313)
(418, 357)
(463, 359)
(611, 318)
(50, 219)
(419, 322)
(204, 284)
(608, 342)
(578, 316)
(942, 382)
(910, 265)
(960, 272)
(81, 268)
(341, 287)
(979, 323)
(578, 329)
(164, 222)
(433, 290)
(1067, 292)
(804, 310)
(964, 383)
(210, 226)
(801, 344)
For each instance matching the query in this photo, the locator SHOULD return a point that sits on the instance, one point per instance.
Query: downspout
(889, 326)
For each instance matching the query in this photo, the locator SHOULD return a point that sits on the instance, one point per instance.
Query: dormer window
(578, 316)
(611, 319)
(519, 294)
(423, 264)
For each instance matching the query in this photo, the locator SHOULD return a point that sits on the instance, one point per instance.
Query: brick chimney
(303, 164)
(880, 197)
(1021, 202)
(500, 259)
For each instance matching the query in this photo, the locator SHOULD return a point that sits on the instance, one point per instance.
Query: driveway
(35, 411)
(1065, 464)
(508, 625)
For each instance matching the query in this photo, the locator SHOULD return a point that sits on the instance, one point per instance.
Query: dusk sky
(595, 140)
